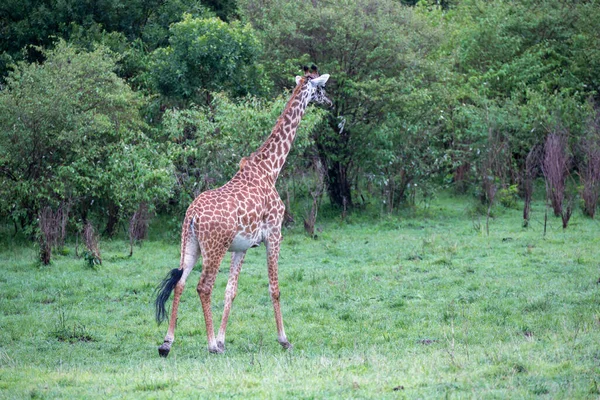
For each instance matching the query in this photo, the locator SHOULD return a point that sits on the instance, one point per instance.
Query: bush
(508, 196)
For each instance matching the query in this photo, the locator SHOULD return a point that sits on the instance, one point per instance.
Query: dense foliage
(382, 81)
(205, 55)
(206, 144)
(105, 107)
(72, 134)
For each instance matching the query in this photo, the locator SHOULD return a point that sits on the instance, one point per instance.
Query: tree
(31, 24)
(376, 53)
(520, 68)
(206, 55)
(71, 132)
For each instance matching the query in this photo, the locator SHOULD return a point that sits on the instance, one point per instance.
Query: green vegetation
(420, 305)
(205, 55)
(82, 143)
(201, 158)
(427, 94)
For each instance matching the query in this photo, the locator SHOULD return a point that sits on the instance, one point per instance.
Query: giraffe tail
(163, 292)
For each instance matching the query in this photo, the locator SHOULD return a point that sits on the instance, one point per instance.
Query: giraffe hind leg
(164, 290)
(175, 281)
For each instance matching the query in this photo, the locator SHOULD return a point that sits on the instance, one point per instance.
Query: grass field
(421, 305)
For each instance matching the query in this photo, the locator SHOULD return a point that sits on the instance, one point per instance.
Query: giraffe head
(315, 84)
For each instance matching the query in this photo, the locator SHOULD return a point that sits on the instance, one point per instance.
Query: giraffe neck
(271, 155)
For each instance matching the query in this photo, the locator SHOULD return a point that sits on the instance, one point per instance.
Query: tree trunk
(113, 220)
(530, 171)
(332, 146)
(461, 174)
(400, 189)
(45, 251)
(338, 185)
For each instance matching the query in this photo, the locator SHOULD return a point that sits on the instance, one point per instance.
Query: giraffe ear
(321, 80)
(298, 79)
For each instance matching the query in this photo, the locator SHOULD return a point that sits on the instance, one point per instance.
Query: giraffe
(243, 213)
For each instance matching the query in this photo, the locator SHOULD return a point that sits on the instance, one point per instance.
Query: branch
(7, 173)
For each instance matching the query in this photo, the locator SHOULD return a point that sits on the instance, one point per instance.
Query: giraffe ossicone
(241, 214)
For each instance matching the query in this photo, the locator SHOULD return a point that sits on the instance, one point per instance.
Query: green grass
(421, 305)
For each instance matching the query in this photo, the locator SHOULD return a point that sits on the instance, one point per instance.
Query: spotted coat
(243, 213)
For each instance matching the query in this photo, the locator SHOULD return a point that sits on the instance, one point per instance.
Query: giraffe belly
(243, 241)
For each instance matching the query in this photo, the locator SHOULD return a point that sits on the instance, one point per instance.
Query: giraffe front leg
(273, 243)
(230, 292)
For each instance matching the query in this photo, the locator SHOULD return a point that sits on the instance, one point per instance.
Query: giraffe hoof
(164, 349)
(216, 350)
(285, 344)
(221, 347)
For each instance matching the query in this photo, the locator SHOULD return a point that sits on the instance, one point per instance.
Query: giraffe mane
(243, 162)
(280, 119)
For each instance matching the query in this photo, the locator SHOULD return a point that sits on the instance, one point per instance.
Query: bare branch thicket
(138, 225)
(311, 216)
(495, 165)
(52, 230)
(589, 169)
(288, 216)
(488, 182)
(555, 167)
(47, 234)
(567, 211)
(494, 169)
(395, 189)
(532, 169)
(388, 192)
(91, 240)
(461, 177)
